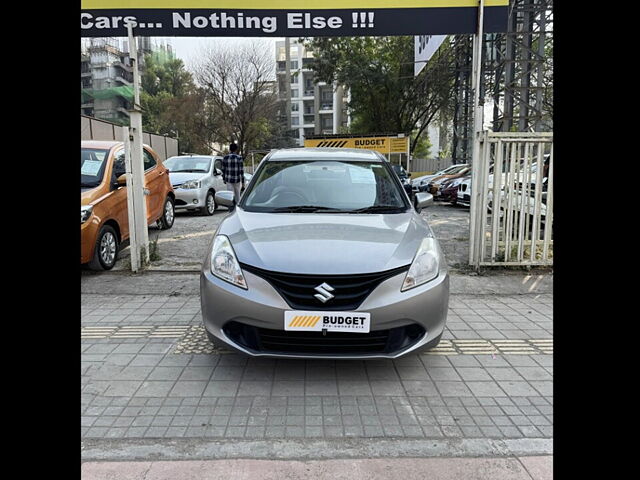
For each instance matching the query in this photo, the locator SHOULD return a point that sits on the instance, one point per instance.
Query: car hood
(318, 243)
(178, 178)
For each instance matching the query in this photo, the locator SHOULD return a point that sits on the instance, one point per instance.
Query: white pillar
(136, 203)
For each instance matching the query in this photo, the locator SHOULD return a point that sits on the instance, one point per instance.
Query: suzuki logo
(323, 292)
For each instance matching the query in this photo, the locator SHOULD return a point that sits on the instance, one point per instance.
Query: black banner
(280, 23)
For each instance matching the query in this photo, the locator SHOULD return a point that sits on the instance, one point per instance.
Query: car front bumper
(190, 198)
(262, 307)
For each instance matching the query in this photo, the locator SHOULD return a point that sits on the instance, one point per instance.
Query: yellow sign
(304, 321)
(379, 144)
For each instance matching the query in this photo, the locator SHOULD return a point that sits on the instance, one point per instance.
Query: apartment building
(106, 77)
(316, 108)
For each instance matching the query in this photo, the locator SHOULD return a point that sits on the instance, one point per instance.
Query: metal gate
(511, 216)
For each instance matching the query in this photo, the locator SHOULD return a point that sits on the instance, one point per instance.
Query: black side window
(149, 160)
(218, 164)
(119, 167)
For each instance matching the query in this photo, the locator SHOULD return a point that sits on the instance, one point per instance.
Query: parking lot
(150, 376)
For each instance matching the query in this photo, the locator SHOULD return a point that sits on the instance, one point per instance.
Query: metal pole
(137, 205)
(476, 235)
(287, 81)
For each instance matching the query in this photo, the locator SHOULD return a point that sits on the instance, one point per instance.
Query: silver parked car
(195, 180)
(325, 256)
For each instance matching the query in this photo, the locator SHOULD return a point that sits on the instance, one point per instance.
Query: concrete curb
(309, 449)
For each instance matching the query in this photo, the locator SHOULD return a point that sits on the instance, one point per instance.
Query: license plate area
(316, 321)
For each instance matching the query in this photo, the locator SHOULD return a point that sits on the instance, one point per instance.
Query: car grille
(333, 343)
(299, 290)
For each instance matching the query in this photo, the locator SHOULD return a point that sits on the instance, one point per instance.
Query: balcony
(326, 108)
(123, 66)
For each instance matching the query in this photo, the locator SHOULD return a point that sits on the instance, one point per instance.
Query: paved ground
(148, 372)
(512, 468)
(152, 387)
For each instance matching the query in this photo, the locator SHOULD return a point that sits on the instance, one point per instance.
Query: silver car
(325, 256)
(195, 180)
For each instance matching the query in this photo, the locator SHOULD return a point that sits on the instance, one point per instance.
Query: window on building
(294, 93)
(295, 120)
(295, 106)
(294, 64)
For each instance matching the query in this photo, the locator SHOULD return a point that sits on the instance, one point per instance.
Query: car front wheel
(209, 204)
(168, 215)
(106, 251)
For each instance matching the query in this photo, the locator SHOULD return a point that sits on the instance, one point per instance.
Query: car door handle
(161, 173)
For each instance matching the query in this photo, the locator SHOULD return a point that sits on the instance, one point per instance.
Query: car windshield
(92, 166)
(188, 164)
(325, 186)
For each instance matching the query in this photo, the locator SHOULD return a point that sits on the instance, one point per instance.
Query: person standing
(233, 172)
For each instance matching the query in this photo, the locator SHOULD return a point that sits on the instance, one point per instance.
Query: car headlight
(85, 213)
(191, 184)
(425, 266)
(224, 263)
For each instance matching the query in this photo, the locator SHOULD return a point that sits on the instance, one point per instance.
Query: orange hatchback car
(104, 221)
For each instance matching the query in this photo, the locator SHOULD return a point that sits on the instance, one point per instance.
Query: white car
(464, 192)
(195, 180)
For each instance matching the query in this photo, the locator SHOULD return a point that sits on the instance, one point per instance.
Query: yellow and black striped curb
(192, 339)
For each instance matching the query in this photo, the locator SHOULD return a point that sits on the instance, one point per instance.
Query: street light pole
(136, 191)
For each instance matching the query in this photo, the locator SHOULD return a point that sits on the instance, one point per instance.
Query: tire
(106, 249)
(210, 205)
(168, 214)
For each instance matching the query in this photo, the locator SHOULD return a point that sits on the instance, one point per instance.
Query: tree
(386, 97)
(173, 105)
(238, 85)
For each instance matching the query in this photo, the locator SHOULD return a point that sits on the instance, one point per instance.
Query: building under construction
(517, 77)
(106, 75)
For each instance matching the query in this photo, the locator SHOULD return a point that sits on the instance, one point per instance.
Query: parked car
(464, 192)
(287, 275)
(196, 179)
(420, 183)
(104, 220)
(404, 178)
(435, 185)
(449, 189)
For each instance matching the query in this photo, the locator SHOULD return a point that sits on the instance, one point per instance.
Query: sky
(188, 48)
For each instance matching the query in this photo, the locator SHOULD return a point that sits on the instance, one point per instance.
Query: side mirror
(122, 180)
(217, 172)
(225, 198)
(408, 174)
(423, 200)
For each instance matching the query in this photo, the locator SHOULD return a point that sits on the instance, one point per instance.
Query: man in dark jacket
(233, 172)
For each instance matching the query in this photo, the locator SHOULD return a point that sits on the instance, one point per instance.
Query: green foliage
(173, 105)
(423, 147)
(386, 97)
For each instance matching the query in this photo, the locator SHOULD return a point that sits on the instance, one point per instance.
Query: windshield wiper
(305, 209)
(378, 209)
(190, 170)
